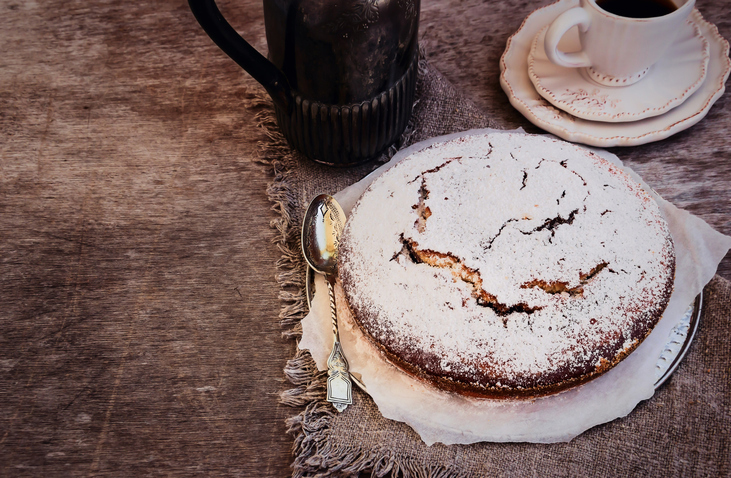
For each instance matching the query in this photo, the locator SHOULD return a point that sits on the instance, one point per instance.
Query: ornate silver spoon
(321, 228)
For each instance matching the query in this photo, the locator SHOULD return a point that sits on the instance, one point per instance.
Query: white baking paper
(447, 418)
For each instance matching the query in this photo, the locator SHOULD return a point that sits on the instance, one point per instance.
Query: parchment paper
(443, 417)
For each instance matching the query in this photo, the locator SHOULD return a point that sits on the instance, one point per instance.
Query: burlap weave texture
(683, 430)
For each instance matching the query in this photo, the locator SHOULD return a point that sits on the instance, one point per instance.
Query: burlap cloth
(684, 430)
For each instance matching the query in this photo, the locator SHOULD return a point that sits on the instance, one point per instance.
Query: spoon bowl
(321, 228)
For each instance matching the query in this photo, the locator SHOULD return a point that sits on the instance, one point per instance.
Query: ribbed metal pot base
(345, 135)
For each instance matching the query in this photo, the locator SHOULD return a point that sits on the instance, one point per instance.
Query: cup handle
(576, 16)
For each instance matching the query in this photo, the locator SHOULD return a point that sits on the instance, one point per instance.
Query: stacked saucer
(677, 92)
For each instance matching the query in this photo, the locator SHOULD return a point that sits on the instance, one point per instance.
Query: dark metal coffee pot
(342, 73)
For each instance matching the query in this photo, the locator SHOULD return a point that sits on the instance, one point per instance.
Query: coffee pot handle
(228, 40)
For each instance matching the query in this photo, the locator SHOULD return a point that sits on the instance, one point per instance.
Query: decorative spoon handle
(321, 228)
(339, 386)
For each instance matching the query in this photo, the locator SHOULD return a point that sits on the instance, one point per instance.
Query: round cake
(506, 265)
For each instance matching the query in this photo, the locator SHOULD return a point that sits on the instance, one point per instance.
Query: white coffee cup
(616, 51)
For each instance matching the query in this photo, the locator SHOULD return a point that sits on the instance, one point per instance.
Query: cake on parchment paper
(506, 265)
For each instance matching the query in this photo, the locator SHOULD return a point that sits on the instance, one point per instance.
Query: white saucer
(523, 96)
(677, 75)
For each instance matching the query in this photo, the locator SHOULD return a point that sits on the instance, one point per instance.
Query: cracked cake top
(506, 264)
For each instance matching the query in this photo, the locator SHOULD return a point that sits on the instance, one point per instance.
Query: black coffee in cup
(638, 8)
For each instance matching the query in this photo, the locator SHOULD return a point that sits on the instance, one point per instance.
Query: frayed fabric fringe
(321, 459)
(310, 426)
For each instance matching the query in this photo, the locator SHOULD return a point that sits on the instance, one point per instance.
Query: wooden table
(138, 303)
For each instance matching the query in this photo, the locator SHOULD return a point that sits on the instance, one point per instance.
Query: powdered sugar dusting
(505, 260)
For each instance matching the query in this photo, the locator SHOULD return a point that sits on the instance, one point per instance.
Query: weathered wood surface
(138, 300)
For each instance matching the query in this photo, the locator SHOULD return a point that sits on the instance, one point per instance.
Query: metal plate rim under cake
(679, 341)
